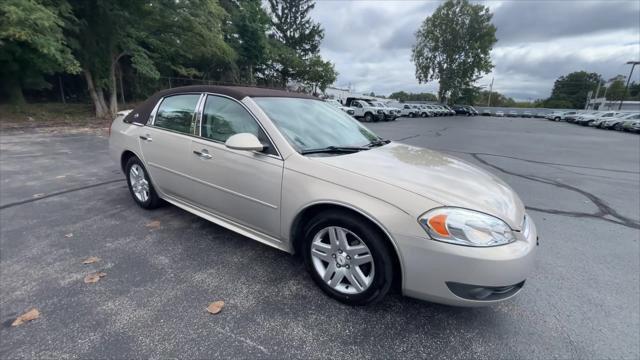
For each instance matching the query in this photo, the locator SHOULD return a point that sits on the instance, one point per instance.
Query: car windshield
(311, 124)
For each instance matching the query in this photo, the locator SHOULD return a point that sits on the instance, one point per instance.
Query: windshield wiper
(334, 149)
(378, 142)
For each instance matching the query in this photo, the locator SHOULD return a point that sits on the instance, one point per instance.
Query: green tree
(558, 104)
(319, 73)
(294, 37)
(453, 46)
(634, 91)
(497, 99)
(32, 44)
(468, 95)
(246, 33)
(399, 95)
(404, 96)
(616, 88)
(177, 37)
(571, 90)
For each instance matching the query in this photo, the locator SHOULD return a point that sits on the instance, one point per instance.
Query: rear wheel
(368, 117)
(140, 185)
(346, 258)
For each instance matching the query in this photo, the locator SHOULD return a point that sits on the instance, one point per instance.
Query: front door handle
(204, 154)
(146, 138)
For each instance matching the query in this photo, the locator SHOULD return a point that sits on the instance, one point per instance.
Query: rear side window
(176, 113)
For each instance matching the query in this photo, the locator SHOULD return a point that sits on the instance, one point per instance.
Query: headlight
(466, 227)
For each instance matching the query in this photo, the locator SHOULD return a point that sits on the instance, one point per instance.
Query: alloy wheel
(139, 183)
(342, 260)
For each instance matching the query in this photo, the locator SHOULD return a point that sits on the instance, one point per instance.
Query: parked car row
(614, 120)
(426, 110)
(465, 110)
(372, 110)
(513, 113)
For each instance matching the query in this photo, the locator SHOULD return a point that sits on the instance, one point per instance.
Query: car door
(166, 143)
(243, 186)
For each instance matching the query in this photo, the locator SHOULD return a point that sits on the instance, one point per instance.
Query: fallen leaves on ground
(94, 278)
(91, 260)
(153, 225)
(69, 235)
(27, 316)
(61, 176)
(215, 307)
(39, 195)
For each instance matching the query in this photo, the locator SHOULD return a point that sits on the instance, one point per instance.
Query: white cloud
(370, 42)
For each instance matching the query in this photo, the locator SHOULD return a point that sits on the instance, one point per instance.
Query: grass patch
(49, 115)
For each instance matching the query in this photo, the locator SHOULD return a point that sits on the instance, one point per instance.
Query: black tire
(153, 201)
(617, 127)
(368, 117)
(556, 119)
(382, 260)
(424, 115)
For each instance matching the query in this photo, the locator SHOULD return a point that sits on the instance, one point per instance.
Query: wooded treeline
(116, 50)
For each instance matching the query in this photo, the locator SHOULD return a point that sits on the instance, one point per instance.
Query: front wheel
(368, 117)
(140, 186)
(347, 259)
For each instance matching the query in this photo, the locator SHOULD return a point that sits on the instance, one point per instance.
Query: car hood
(437, 176)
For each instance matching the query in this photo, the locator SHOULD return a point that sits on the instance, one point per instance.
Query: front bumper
(391, 116)
(454, 275)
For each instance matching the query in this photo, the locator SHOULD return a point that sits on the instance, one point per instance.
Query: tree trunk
(442, 93)
(96, 95)
(64, 101)
(121, 85)
(113, 89)
(14, 91)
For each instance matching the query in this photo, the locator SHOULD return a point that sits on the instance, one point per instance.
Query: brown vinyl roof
(141, 113)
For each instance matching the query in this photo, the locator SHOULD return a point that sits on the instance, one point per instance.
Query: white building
(604, 104)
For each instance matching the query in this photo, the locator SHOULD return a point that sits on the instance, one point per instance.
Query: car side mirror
(244, 141)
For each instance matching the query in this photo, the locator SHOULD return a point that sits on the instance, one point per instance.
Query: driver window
(223, 117)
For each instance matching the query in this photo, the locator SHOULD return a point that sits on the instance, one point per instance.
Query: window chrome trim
(152, 115)
(255, 118)
(199, 112)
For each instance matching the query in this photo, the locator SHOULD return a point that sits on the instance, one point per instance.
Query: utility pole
(598, 90)
(626, 88)
(589, 96)
(606, 89)
(490, 91)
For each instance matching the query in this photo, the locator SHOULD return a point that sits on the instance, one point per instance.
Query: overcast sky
(370, 42)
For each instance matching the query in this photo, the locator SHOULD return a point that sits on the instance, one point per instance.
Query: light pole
(490, 91)
(626, 88)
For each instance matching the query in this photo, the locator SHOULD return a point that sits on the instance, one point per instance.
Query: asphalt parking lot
(63, 200)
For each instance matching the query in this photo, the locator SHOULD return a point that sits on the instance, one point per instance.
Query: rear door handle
(204, 154)
(146, 138)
